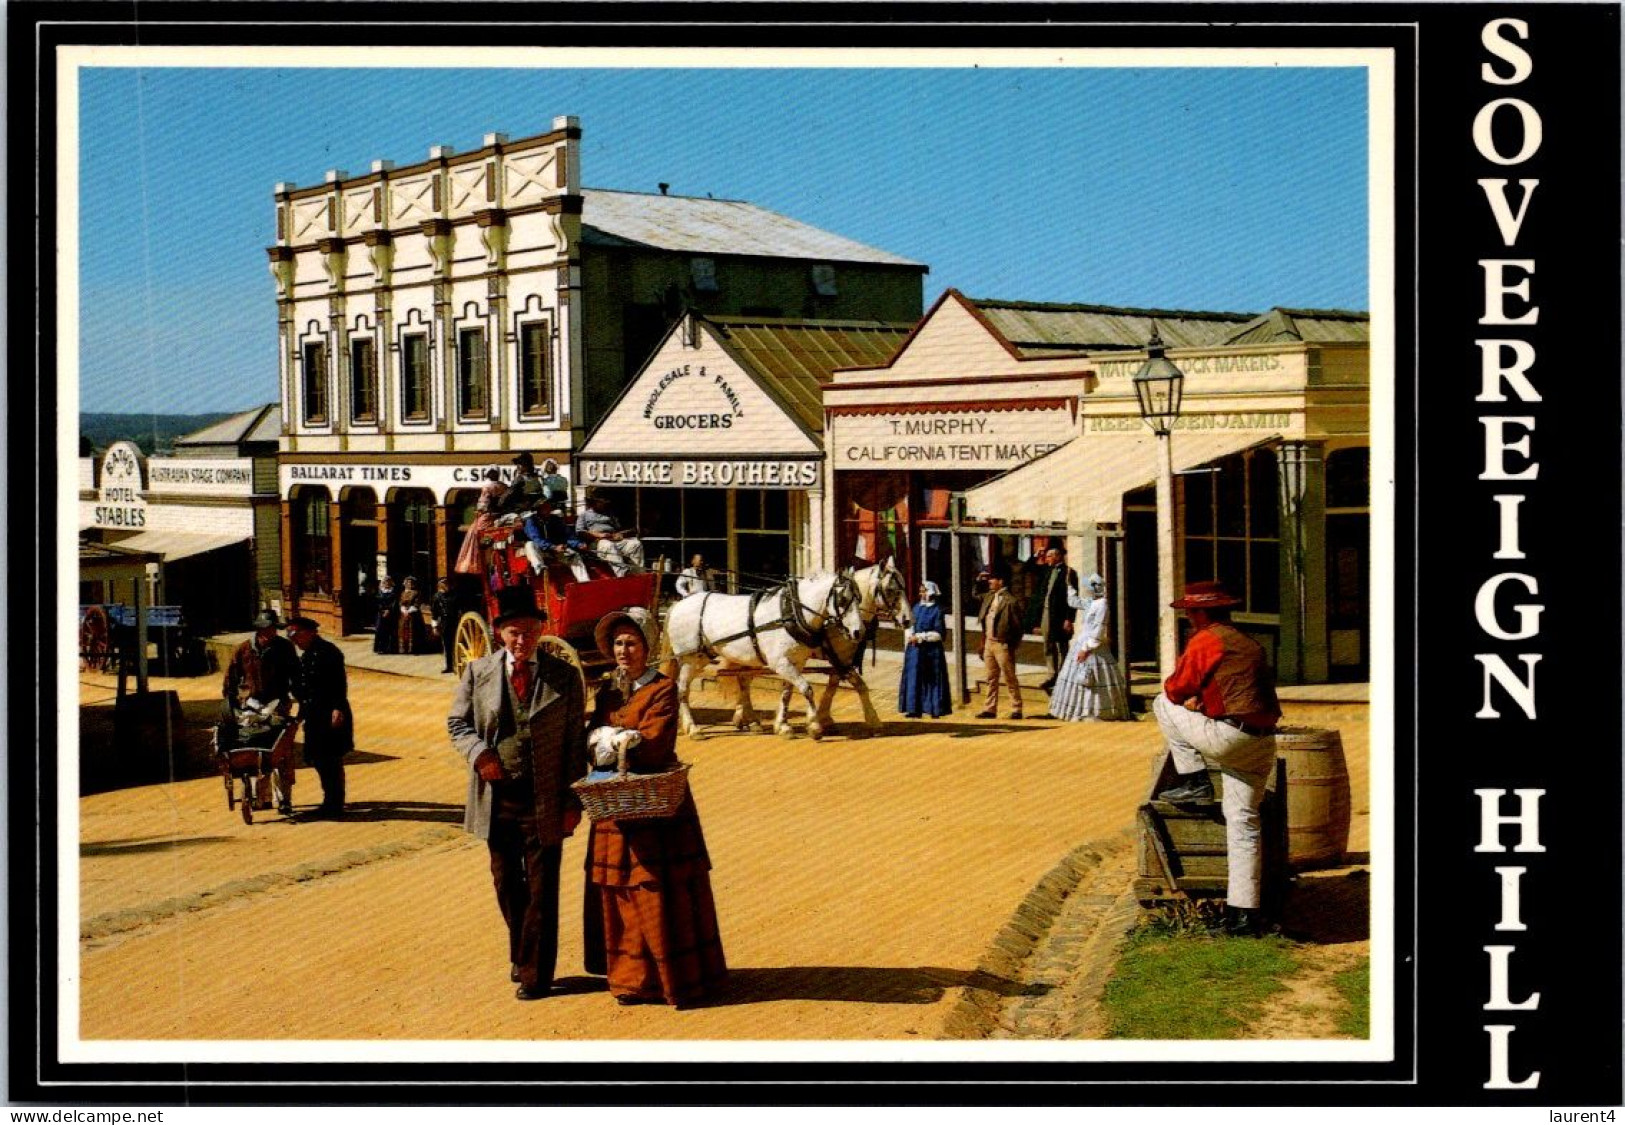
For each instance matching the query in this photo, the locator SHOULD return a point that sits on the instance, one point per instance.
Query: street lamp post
(1159, 384)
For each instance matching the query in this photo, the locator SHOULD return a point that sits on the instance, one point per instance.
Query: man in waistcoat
(1219, 708)
(1003, 626)
(518, 718)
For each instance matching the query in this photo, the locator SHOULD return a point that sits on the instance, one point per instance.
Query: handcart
(248, 769)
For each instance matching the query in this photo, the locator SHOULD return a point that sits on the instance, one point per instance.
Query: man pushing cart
(254, 738)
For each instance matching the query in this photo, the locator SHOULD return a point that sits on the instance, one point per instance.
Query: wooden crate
(1181, 848)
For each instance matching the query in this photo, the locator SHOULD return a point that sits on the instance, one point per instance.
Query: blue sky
(1228, 189)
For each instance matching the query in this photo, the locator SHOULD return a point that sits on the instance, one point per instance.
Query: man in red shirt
(1219, 708)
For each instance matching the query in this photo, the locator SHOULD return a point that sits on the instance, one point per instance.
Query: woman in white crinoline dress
(1089, 687)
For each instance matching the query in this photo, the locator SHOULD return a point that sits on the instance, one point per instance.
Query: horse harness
(792, 619)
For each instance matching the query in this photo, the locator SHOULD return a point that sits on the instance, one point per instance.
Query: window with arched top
(363, 380)
(312, 541)
(472, 362)
(313, 381)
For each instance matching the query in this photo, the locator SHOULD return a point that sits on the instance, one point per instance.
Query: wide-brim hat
(301, 623)
(266, 620)
(636, 616)
(525, 459)
(1205, 595)
(514, 603)
(594, 493)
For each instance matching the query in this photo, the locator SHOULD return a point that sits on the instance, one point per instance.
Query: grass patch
(1186, 982)
(1354, 986)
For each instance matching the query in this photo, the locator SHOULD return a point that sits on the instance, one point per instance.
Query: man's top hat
(514, 603)
(266, 620)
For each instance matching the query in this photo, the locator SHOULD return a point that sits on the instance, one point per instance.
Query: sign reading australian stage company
(202, 477)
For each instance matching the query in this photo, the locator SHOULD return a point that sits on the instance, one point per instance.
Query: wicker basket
(634, 796)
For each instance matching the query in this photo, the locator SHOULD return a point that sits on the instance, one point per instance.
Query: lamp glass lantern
(1159, 384)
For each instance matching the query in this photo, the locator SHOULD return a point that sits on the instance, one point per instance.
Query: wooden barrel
(1317, 796)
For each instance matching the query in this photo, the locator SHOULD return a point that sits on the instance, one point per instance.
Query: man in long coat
(518, 719)
(1055, 618)
(323, 691)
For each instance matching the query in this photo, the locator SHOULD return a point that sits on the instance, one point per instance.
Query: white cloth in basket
(606, 744)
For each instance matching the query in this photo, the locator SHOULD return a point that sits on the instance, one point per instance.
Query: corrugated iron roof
(261, 424)
(1038, 329)
(1313, 326)
(794, 358)
(715, 226)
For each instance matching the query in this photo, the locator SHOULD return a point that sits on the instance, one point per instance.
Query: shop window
(1232, 522)
(675, 525)
(1348, 478)
(363, 380)
(762, 533)
(312, 543)
(535, 367)
(415, 377)
(411, 541)
(761, 510)
(315, 382)
(471, 379)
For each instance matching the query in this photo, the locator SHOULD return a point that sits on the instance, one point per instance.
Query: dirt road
(858, 882)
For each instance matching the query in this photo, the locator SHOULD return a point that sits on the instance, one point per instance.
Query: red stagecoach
(573, 605)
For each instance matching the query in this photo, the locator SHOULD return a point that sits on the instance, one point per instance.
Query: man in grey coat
(518, 719)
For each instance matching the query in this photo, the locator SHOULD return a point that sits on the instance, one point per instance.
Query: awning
(1083, 481)
(181, 544)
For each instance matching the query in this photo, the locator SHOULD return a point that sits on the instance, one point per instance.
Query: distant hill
(153, 433)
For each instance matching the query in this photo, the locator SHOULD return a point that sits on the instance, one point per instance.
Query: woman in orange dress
(650, 921)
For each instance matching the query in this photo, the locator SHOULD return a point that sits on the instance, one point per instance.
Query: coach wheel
(473, 640)
(247, 801)
(566, 652)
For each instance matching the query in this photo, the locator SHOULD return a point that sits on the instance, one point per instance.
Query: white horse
(776, 630)
(882, 593)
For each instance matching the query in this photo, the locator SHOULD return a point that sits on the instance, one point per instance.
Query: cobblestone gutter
(1057, 950)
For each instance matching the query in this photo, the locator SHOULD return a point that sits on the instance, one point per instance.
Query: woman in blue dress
(924, 687)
